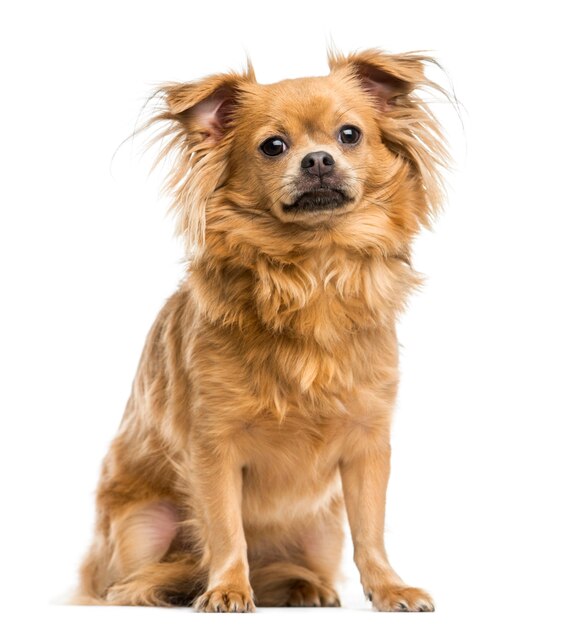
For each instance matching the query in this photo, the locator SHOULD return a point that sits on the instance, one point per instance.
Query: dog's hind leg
(142, 534)
(166, 583)
(125, 564)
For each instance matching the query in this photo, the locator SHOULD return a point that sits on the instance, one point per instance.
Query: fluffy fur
(263, 400)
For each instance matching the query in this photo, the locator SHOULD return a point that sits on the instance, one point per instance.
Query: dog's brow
(341, 113)
(273, 126)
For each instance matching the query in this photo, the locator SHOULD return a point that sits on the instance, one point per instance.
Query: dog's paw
(305, 593)
(225, 600)
(398, 598)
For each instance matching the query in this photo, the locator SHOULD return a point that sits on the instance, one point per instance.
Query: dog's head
(347, 153)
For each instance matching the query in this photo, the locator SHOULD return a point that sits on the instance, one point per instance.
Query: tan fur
(264, 394)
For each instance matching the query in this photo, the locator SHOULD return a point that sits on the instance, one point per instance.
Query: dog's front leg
(364, 481)
(217, 480)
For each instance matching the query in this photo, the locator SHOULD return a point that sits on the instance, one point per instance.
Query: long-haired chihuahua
(261, 408)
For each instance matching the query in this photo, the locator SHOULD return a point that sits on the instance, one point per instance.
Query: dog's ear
(205, 108)
(197, 119)
(385, 77)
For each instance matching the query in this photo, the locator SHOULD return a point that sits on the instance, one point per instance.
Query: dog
(260, 413)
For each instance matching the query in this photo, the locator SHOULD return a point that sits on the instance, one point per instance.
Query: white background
(88, 257)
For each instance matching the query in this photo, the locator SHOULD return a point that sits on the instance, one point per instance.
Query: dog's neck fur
(304, 283)
(327, 302)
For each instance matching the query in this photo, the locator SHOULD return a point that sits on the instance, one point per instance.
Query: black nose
(317, 163)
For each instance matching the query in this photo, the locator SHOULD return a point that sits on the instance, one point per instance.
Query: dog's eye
(349, 134)
(273, 146)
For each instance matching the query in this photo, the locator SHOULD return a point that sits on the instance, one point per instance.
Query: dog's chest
(331, 294)
(319, 315)
(292, 472)
(292, 467)
(305, 297)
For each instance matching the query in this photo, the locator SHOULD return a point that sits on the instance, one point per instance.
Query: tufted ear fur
(197, 118)
(383, 76)
(204, 107)
(408, 126)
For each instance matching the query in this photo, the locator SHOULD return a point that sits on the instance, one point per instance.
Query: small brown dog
(263, 400)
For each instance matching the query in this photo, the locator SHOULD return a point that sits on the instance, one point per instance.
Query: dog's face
(308, 152)
(307, 149)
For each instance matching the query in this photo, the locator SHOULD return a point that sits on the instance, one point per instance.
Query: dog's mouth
(322, 199)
